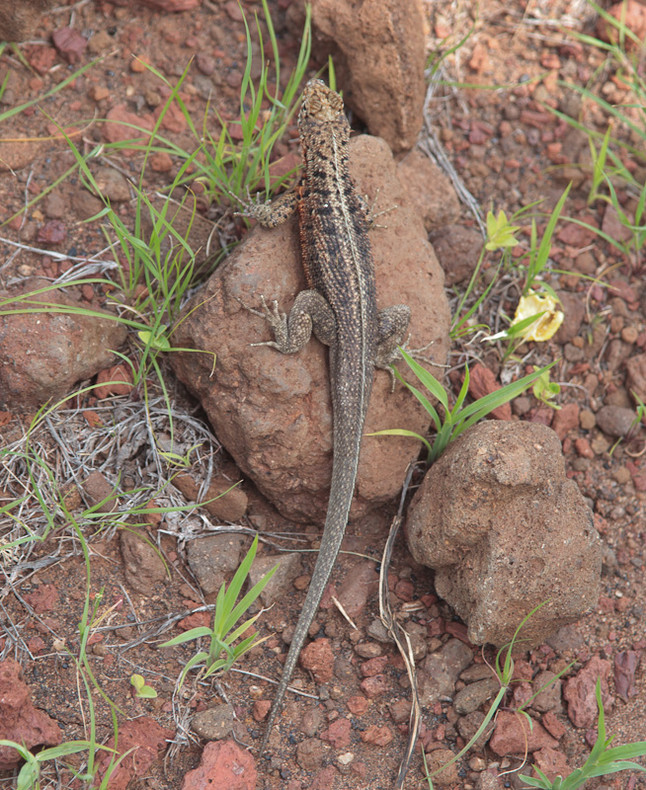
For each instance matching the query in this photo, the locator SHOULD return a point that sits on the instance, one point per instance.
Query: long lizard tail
(348, 429)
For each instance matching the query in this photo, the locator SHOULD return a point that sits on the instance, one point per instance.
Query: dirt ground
(509, 151)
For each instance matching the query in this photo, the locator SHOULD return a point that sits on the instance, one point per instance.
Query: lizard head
(320, 103)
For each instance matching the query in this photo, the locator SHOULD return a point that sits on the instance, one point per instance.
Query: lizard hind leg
(310, 312)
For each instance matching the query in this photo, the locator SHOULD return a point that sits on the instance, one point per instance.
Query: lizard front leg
(310, 313)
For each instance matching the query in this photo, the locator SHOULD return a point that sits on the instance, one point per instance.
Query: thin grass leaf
(403, 432)
(427, 379)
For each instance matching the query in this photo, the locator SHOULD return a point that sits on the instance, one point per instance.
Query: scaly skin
(340, 308)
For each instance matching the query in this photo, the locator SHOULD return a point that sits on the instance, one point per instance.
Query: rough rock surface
(288, 567)
(434, 196)
(19, 720)
(43, 355)
(224, 766)
(143, 567)
(378, 49)
(17, 20)
(506, 531)
(214, 558)
(145, 740)
(272, 412)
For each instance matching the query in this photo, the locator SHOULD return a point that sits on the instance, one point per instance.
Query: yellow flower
(548, 320)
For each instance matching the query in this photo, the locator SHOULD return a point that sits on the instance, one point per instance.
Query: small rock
(626, 663)
(470, 724)
(550, 697)
(378, 736)
(43, 599)
(573, 309)
(213, 558)
(115, 129)
(100, 42)
(213, 724)
(440, 671)
(565, 420)
(111, 184)
(224, 500)
(579, 693)
(553, 724)
(636, 378)
(261, 708)
(338, 734)
(552, 763)
(359, 583)
(513, 735)
(489, 780)
(374, 666)
(632, 14)
(97, 489)
(483, 382)
(318, 658)
(223, 766)
(54, 205)
(289, 566)
(358, 704)
(616, 421)
(310, 754)
(400, 710)
(474, 695)
(375, 686)
(143, 567)
(115, 380)
(70, 44)
(52, 232)
(437, 759)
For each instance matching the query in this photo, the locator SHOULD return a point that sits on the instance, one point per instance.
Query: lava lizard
(340, 307)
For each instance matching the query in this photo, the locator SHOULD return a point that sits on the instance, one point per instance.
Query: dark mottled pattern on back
(340, 308)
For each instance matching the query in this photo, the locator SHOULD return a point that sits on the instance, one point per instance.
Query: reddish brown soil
(509, 151)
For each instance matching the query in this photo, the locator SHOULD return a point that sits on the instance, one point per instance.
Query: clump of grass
(603, 759)
(456, 419)
(616, 152)
(222, 652)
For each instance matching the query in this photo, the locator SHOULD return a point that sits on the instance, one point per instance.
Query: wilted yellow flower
(546, 324)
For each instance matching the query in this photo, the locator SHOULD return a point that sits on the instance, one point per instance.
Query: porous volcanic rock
(378, 50)
(272, 411)
(19, 720)
(43, 355)
(506, 531)
(18, 20)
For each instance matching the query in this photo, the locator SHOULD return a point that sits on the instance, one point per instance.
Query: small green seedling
(601, 762)
(545, 390)
(222, 652)
(500, 234)
(141, 689)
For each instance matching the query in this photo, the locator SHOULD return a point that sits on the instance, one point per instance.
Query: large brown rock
(19, 19)
(272, 412)
(379, 53)
(44, 354)
(506, 531)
